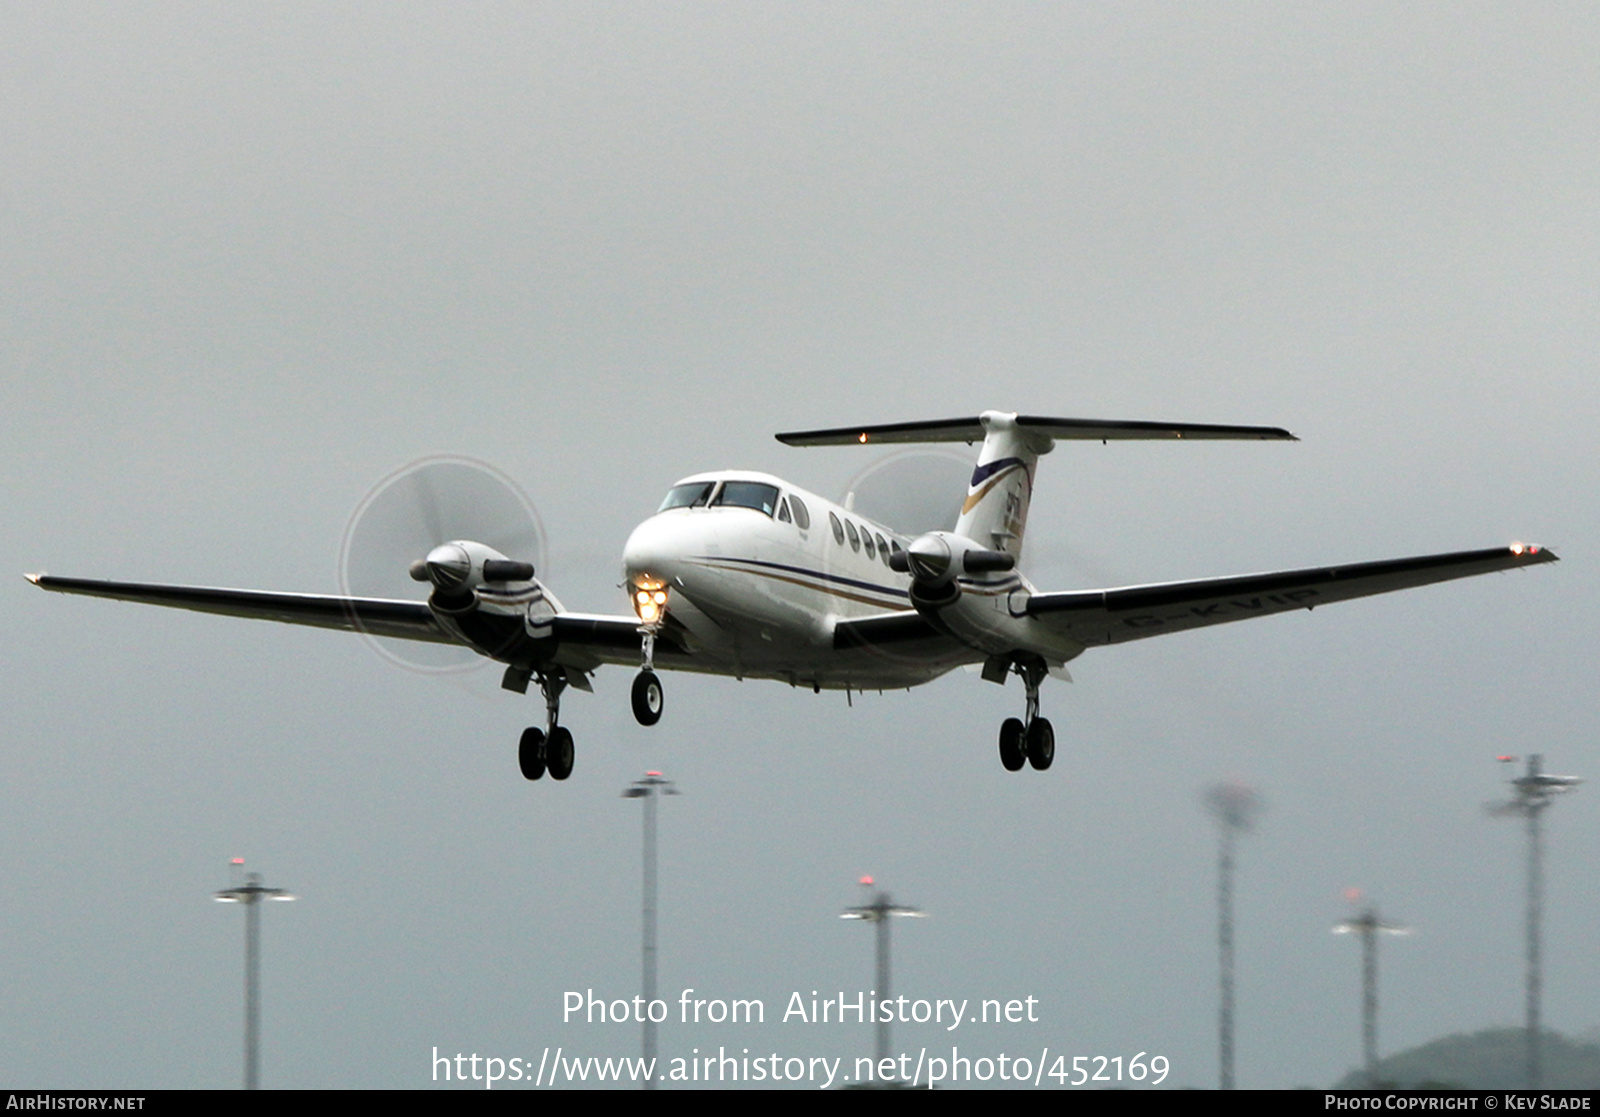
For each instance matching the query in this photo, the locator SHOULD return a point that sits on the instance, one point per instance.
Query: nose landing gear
(1032, 740)
(648, 697)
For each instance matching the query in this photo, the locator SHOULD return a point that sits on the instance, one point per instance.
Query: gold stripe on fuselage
(832, 591)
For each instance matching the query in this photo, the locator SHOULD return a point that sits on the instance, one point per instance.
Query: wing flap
(885, 630)
(402, 620)
(1116, 616)
(588, 640)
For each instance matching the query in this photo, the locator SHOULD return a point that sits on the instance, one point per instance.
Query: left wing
(1115, 616)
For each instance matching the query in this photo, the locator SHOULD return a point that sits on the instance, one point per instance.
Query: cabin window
(866, 541)
(783, 512)
(855, 536)
(748, 494)
(802, 517)
(883, 550)
(693, 495)
(838, 529)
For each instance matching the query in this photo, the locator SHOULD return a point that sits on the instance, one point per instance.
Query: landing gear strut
(1031, 740)
(648, 698)
(549, 749)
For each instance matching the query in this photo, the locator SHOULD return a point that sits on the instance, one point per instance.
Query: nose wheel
(550, 749)
(1031, 741)
(648, 698)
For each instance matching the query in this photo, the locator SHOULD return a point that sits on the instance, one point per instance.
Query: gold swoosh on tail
(972, 501)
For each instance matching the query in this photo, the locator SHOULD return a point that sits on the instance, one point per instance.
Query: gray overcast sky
(255, 257)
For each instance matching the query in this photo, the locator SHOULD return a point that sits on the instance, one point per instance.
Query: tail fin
(995, 513)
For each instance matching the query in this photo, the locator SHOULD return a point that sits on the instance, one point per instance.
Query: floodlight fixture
(651, 787)
(878, 911)
(250, 893)
(1369, 925)
(1234, 806)
(1531, 794)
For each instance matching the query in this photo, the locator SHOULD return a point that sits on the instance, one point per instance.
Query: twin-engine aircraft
(744, 574)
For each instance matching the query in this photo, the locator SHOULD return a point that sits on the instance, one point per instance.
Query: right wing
(1115, 616)
(403, 620)
(584, 640)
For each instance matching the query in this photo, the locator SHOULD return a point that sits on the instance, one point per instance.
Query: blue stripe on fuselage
(890, 591)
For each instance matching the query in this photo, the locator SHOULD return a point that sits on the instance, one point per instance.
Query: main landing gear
(549, 749)
(1030, 741)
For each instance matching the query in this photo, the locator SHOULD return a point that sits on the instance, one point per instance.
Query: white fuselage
(757, 594)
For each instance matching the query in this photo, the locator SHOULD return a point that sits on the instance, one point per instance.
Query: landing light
(650, 601)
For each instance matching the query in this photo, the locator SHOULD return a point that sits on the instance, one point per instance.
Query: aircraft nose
(658, 548)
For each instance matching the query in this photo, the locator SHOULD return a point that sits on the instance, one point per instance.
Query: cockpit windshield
(693, 495)
(748, 494)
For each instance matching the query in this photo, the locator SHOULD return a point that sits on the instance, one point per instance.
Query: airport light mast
(1369, 925)
(1531, 794)
(250, 894)
(881, 908)
(1234, 807)
(651, 787)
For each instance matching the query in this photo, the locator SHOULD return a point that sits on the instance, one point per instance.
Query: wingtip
(34, 578)
(1533, 552)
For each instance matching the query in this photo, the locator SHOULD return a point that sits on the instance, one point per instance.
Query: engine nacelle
(458, 568)
(939, 557)
(487, 600)
(935, 560)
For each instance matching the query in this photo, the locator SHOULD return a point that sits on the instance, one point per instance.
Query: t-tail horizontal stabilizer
(1044, 427)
